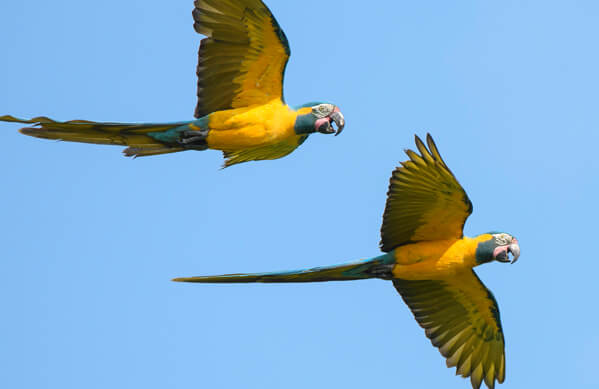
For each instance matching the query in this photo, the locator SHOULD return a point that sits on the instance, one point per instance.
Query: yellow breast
(251, 127)
(436, 259)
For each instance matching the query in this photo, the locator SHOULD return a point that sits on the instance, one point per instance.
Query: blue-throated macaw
(430, 262)
(241, 110)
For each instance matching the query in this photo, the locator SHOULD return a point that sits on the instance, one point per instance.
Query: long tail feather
(379, 267)
(123, 134)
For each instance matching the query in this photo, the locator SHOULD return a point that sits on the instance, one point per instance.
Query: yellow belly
(251, 127)
(434, 260)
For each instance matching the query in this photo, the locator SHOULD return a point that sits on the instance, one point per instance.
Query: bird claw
(194, 140)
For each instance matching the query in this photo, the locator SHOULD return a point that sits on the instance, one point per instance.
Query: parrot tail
(379, 267)
(143, 139)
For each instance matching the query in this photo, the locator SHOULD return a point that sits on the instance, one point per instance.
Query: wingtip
(418, 141)
(429, 137)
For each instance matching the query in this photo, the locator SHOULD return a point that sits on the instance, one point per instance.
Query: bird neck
(304, 124)
(473, 244)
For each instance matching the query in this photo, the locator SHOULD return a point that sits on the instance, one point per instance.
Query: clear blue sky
(90, 239)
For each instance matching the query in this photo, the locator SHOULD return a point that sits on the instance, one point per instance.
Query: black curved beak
(326, 128)
(339, 120)
(503, 257)
(515, 250)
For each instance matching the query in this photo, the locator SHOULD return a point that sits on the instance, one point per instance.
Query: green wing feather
(425, 201)
(460, 316)
(243, 60)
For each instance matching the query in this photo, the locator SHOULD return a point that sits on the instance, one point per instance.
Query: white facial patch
(502, 239)
(323, 110)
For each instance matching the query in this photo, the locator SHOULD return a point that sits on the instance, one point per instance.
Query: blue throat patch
(304, 124)
(484, 251)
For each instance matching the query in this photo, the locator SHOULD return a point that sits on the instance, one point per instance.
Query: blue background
(90, 239)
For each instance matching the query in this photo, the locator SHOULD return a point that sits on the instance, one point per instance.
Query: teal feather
(173, 135)
(304, 124)
(378, 267)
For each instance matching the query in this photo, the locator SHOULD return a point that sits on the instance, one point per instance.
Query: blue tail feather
(378, 267)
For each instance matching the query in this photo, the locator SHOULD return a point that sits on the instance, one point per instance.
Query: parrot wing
(273, 151)
(243, 60)
(460, 316)
(425, 201)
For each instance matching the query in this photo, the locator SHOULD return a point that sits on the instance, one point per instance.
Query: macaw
(430, 263)
(240, 111)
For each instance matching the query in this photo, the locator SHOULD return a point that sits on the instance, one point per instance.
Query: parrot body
(416, 261)
(241, 110)
(436, 259)
(244, 128)
(430, 263)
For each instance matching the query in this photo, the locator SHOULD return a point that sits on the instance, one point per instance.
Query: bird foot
(195, 140)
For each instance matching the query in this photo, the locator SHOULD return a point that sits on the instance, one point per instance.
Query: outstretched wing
(425, 201)
(243, 60)
(461, 318)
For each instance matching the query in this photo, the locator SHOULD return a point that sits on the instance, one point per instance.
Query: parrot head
(498, 248)
(319, 118)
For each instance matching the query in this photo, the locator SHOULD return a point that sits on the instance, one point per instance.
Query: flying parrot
(430, 263)
(241, 110)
